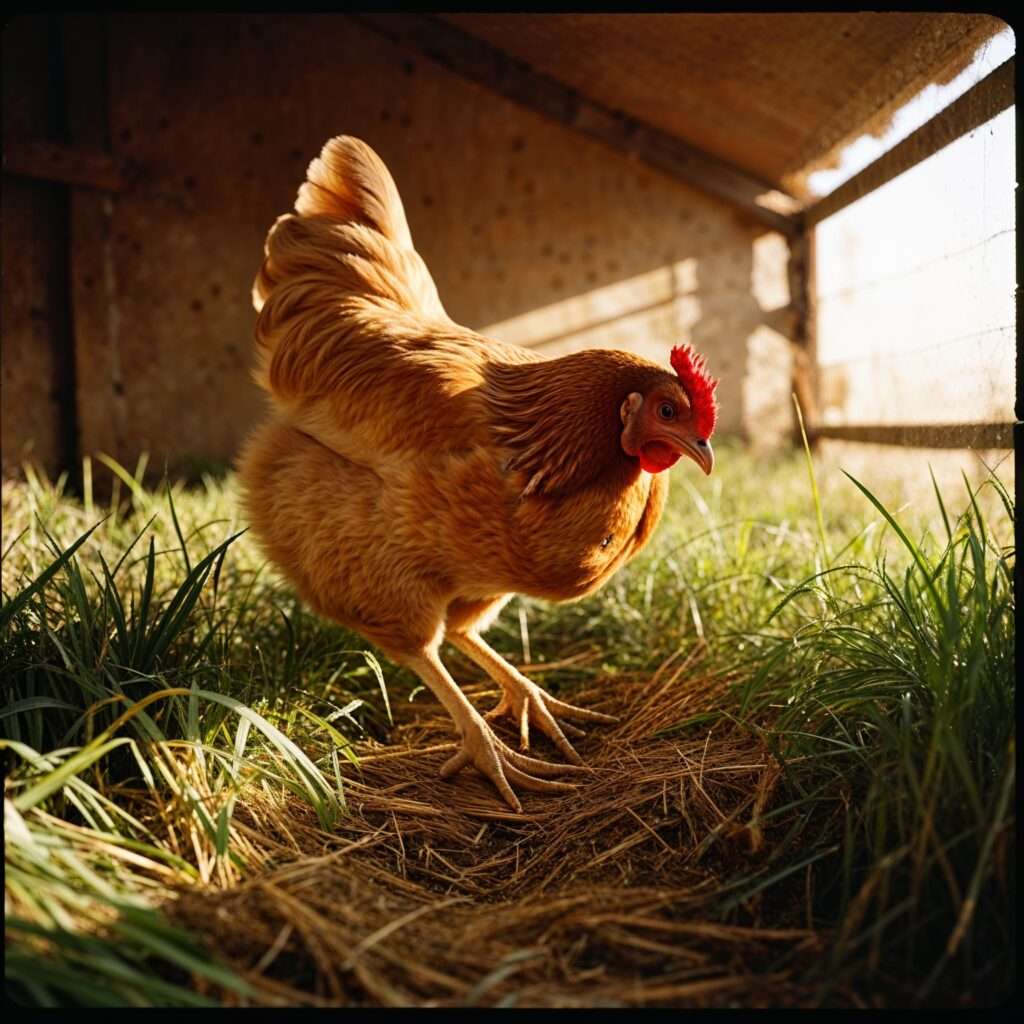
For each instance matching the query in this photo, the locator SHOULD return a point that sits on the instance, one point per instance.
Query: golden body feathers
(413, 474)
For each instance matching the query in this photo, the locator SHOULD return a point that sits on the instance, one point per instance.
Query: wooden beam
(782, 320)
(991, 96)
(933, 435)
(103, 420)
(68, 165)
(803, 298)
(472, 58)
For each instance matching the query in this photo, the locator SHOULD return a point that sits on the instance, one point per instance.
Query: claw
(454, 764)
(503, 766)
(537, 785)
(538, 767)
(528, 703)
(580, 714)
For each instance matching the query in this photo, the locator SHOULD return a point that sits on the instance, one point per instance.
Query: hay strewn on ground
(434, 893)
(810, 801)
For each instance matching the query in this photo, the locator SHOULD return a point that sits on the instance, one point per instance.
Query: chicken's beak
(665, 450)
(699, 449)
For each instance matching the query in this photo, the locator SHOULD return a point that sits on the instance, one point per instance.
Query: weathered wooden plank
(781, 320)
(991, 96)
(803, 292)
(102, 411)
(42, 160)
(37, 421)
(929, 435)
(472, 58)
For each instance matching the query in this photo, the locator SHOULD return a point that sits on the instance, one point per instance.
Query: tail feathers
(339, 277)
(349, 234)
(349, 182)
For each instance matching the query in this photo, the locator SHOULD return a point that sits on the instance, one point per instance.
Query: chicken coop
(745, 740)
(573, 181)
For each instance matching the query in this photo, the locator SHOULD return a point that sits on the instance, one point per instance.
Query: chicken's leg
(524, 699)
(480, 747)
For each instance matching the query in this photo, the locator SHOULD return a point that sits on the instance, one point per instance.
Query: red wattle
(657, 456)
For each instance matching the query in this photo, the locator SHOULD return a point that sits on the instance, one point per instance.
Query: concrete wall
(533, 233)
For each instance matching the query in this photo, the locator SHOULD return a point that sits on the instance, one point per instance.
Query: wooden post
(102, 413)
(803, 300)
(37, 421)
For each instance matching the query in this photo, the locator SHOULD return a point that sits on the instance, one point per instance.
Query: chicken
(413, 475)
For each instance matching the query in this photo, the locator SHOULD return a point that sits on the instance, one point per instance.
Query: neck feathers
(560, 417)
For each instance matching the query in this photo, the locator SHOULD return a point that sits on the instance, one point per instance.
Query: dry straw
(433, 893)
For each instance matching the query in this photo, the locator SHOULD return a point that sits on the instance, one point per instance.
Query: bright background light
(916, 285)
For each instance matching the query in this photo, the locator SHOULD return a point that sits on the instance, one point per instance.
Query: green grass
(161, 683)
(886, 684)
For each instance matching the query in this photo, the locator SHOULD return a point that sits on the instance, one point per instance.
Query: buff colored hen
(413, 475)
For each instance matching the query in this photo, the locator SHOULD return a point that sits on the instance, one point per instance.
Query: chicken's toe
(564, 710)
(572, 730)
(545, 721)
(537, 785)
(504, 766)
(454, 764)
(535, 766)
(528, 704)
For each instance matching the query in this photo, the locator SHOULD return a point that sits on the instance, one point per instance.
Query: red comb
(699, 386)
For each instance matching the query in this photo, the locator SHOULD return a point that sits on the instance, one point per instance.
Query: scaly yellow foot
(527, 703)
(503, 765)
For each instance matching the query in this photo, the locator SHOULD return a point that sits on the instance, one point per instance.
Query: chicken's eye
(667, 411)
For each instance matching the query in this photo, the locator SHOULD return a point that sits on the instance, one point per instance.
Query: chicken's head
(674, 416)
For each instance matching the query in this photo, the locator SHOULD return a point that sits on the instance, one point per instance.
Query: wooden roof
(774, 95)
